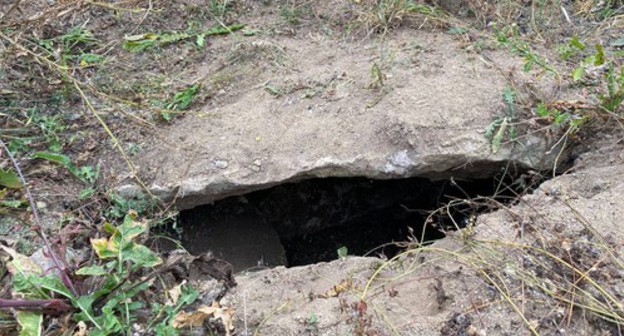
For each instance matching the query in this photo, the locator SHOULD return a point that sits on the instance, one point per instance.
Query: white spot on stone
(221, 164)
(398, 163)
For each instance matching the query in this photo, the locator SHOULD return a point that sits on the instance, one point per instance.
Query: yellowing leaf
(174, 294)
(109, 228)
(139, 37)
(190, 320)
(344, 285)
(498, 138)
(21, 264)
(105, 248)
(226, 317)
(81, 329)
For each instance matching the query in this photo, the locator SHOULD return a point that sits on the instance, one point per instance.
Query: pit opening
(306, 222)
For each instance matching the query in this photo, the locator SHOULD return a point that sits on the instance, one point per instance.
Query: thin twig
(147, 12)
(38, 228)
(14, 7)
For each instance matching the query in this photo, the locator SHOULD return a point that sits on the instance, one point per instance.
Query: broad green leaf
(92, 270)
(131, 306)
(37, 286)
(61, 159)
(561, 118)
(342, 252)
(576, 122)
(25, 284)
(127, 234)
(87, 174)
(82, 174)
(577, 73)
(141, 42)
(528, 65)
(109, 323)
(166, 115)
(30, 323)
(84, 303)
(273, 89)
(575, 42)
(12, 204)
(91, 58)
(189, 295)
(183, 99)
(52, 283)
(200, 40)
(138, 46)
(164, 329)
(86, 193)
(542, 110)
(142, 256)
(131, 228)
(9, 179)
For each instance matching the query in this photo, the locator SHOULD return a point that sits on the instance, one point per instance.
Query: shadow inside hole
(306, 222)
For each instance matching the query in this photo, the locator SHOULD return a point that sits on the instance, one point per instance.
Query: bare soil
(317, 89)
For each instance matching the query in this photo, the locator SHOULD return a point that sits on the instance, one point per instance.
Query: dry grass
(561, 276)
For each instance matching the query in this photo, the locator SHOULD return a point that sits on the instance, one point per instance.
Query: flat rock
(323, 113)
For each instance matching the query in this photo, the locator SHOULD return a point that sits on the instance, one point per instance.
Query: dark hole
(306, 222)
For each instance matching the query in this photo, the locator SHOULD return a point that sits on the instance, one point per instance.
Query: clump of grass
(510, 36)
(292, 14)
(78, 45)
(381, 16)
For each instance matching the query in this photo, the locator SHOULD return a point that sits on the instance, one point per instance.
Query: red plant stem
(62, 267)
(49, 306)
